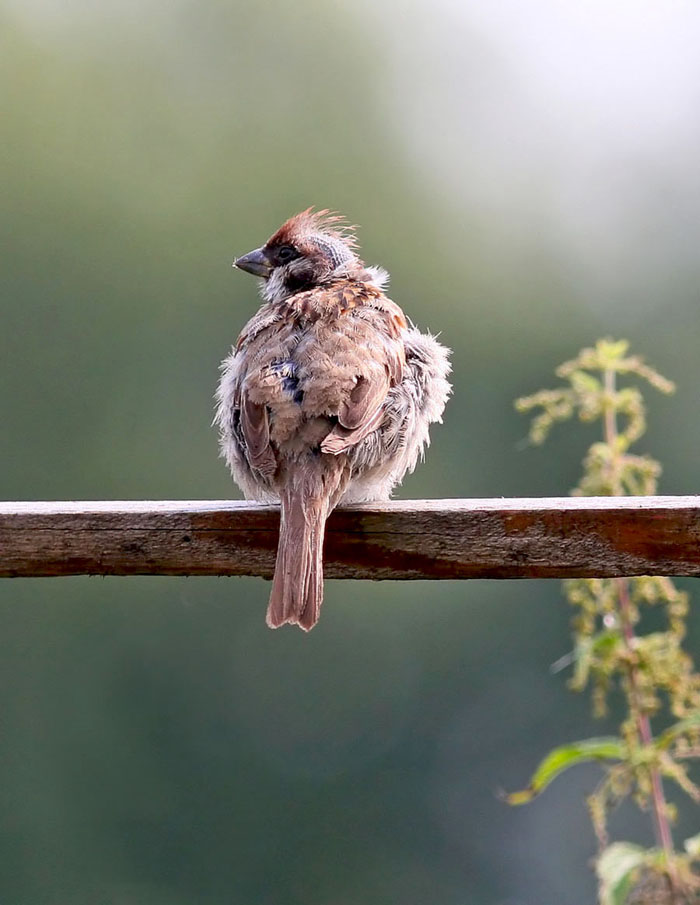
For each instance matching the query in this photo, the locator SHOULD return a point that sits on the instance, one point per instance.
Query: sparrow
(326, 397)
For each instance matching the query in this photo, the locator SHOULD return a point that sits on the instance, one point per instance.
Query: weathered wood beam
(496, 538)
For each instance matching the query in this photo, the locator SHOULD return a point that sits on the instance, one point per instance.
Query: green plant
(660, 688)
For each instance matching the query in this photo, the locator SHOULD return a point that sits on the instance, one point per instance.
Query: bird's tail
(297, 587)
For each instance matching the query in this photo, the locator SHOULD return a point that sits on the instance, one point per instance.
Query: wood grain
(432, 539)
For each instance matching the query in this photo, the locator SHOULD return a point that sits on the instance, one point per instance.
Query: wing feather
(255, 426)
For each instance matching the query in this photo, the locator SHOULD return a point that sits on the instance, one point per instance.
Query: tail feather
(297, 587)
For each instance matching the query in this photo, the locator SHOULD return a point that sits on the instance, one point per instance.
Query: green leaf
(560, 759)
(612, 351)
(672, 733)
(588, 650)
(615, 868)
(585, 384)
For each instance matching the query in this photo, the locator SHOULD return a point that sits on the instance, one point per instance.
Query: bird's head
(311, 248)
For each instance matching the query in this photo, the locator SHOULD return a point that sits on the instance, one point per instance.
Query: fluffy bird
(326, 398)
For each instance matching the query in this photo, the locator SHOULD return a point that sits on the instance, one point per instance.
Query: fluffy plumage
(326, 398)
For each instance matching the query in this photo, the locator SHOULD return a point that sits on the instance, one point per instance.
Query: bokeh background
(529, 175)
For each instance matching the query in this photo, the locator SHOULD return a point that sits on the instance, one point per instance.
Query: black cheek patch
(302, 278)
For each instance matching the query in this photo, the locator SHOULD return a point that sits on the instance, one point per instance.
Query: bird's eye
(286, 253)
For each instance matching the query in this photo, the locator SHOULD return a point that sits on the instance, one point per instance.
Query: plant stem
(662, 824)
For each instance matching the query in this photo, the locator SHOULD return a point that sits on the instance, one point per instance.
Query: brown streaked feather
(313, 329)
(256, 433)
(363, 398)
(340, 439)
(268, 316)
(358, 416)
(297, 586)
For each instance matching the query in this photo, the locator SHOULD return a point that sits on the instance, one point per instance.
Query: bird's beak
(255, 262)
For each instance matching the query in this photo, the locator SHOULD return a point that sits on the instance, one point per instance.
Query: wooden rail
(497, 538)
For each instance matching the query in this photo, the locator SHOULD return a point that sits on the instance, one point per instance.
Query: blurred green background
(528, 174)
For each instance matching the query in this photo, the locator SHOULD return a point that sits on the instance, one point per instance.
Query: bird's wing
(376, 325)
(252, 411)
(255, 427)
(359, 415)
